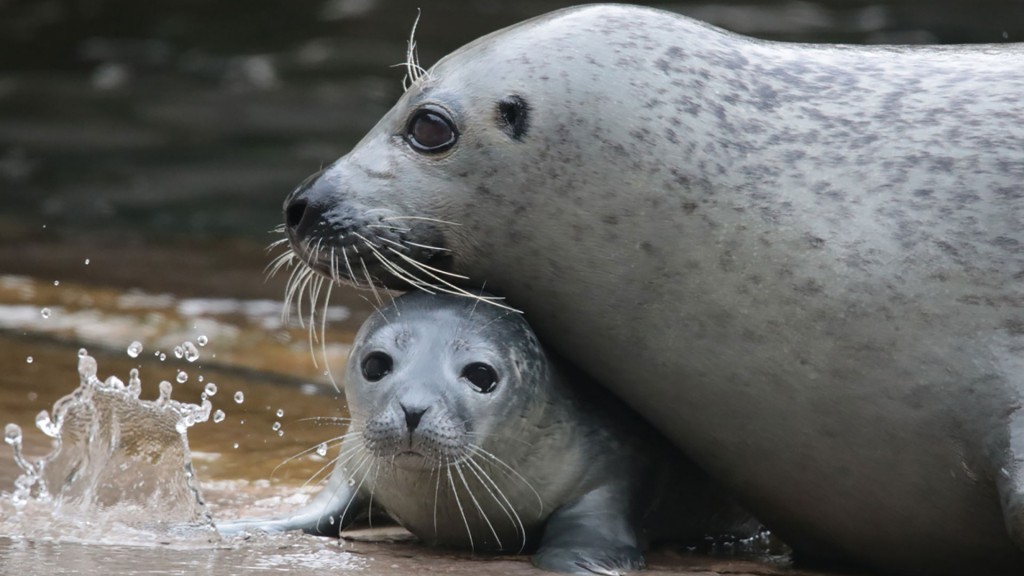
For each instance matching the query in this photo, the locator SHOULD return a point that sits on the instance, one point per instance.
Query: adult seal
(468, 434)
(802, 263)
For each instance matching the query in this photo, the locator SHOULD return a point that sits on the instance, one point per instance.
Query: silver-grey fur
(803, 263)
(541, 461)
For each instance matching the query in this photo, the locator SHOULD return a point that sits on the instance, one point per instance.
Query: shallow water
(144, 155)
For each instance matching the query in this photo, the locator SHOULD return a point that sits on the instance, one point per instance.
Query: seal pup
(467, 434)
(804, 264)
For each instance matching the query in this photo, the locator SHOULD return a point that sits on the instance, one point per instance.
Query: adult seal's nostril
(305, 207)
(413, 416)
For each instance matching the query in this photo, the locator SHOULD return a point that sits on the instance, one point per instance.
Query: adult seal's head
(465, 432)
(803, 263)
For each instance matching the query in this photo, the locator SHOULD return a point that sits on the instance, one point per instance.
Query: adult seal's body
(467, 434)
(803, 263)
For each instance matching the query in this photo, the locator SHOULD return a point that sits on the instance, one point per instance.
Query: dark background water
(126, 125)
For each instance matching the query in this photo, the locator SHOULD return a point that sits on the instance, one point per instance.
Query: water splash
(117, 461)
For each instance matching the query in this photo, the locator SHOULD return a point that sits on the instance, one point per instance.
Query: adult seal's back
(803, 263)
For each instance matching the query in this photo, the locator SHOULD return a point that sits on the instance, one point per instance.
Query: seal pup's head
(432, 381)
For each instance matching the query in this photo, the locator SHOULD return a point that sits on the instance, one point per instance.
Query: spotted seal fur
(802, 263)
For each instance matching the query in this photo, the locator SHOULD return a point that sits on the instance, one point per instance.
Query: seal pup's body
(466, 434)
(802, 263)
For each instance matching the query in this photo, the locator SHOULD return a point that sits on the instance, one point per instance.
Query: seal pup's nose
(413, 416)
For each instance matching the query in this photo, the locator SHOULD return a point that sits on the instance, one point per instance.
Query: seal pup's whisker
(458, 502)
(478, 450)
(344, 456)
(337, 440)
(476, 503)
(325, 419)
(499, 497)
(364, 462)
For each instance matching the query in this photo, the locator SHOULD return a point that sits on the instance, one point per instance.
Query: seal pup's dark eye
(481, 376)
(513, 112)
(376, 365)
(430, 130)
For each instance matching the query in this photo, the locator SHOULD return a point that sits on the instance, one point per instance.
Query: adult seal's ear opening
(802, 263)
(513, 116)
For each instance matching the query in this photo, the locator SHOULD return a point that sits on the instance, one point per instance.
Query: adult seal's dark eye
(481, 377)
(430, 130)
(376, 365)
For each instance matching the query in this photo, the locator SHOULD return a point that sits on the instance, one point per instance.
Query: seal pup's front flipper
(593, 535)
(336, 506)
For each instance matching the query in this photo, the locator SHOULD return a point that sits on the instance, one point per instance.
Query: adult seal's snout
(802, 263)
(306, 208)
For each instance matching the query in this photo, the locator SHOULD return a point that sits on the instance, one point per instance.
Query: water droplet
(134, 383)
(239, 397)
(276, 426)
(200, 378)
(218, 416)
(331, 520)
(46, 425)
(182, 377)
(179, 352)
(235, 445)
(210, 389)
(280, 432)
(165, 391)
(12, 434)
(45, 312)
(162, 356)
(202, 340)
(134, 349)
(321, 450)
(29, 359)
(86, 261)
(280, 412)
(351, 481)
(82, 352)
(190, 351)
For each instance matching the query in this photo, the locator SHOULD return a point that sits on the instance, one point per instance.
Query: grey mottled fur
(803, 263)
